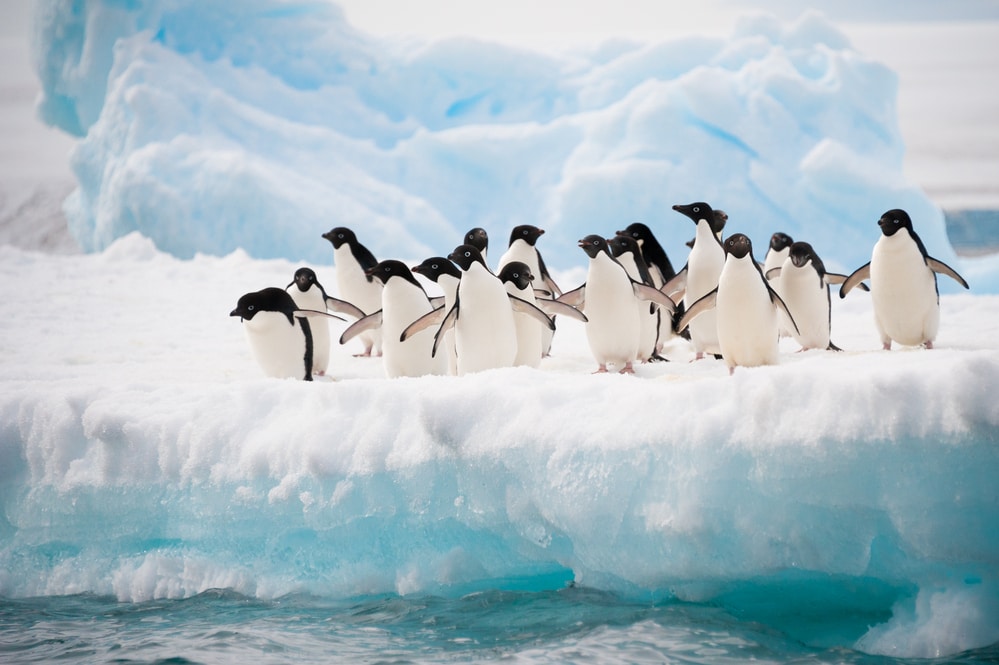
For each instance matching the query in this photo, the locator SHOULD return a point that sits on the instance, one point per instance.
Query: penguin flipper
(437, 301)
(344, 307)
(446, 324)
(944, 269)
(780, 304)
(858, 276)
(836, 278)
(522, 306)
(315, 314)
(773, 273)
(646, 292)
(433, 317)
(698, 307)
(547, 278)
(556, 307)
(574, 298)
(676, 286)
(369, 322)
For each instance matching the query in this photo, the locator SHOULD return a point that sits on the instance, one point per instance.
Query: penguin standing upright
(746, 307)
(780, 247)
(803, 284)
(278, 332)
(611, 299)
(625, 249)
(700, 276)
(352, 261)
(309, 294)
(523, 248)
(403, 301)
(446, 275)
(903, 284)
(518, 280)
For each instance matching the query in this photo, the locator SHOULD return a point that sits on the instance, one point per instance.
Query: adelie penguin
(803, 284)
(746, 308)
(352, 261)
(445, 274)
(479, 239)
(780, 247)
(403, 301)
(523, 247)
(625, 249)
(308, 293)
(700, 276)
(278, 332)
(903, 284)
(612, 302)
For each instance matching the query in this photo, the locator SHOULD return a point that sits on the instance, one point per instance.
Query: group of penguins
(725, 302)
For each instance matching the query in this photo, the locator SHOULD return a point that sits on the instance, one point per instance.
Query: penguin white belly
(519, 250)
(402, 304)
(747, 319)
(703, 270)
(614, 324)
(649, 328)
(278, 347)
(485, 336)
(903, 292)
(527, 329)
(356, 289)
(807, 298)
(313, 299)
(449, 285)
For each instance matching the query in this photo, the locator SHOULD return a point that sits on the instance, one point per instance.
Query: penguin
(352, 261)
(903, 287)
(278, 332)
(803, 284)
(403, 300)
(446, 275)
(626, 250)
(700, 275)
(720, 217)
(655, 257)
(485, 335)
(523, 248)
(519, 282)
(610, 299)
(308, 293)
(780, 246)
(479, 239)
(746, 307)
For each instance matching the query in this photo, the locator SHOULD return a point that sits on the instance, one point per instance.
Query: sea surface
(570, 625)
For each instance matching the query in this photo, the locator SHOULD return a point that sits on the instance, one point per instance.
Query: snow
(144, 455)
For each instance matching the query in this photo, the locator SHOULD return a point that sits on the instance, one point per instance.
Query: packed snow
(144, 454)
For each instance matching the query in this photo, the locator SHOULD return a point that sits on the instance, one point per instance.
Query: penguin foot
(928, 344)
(627, 369)
(656, 358)
(602, 369)
(886, 346)
(731, 370)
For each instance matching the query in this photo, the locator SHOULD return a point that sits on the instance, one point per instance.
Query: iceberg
(209, 127)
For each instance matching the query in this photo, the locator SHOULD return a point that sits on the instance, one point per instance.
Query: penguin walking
(278, 332)
(403, 300)
(610, 299)
(519, 282)
(523, 248)
(903, 286)
(446, 275)
(701, 273)
(626, 250)
(803, 284)
(308, 293)
(746, 307)
(352, 261)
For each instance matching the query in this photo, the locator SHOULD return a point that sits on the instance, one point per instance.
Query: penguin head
(477, 238)
(717, 221)
(780, 241)
(466, 255)
(340, 235)
(697, 211)
(527, 233)
(623, 243)
(271, 299)
(305, 278)
(893, 221)
(518, 273)
(593, 245)
(637, 231)
(386, 270)
(801, 253)
(436, 266)
(738, 246)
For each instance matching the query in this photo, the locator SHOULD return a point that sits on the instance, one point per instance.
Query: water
(568, 625)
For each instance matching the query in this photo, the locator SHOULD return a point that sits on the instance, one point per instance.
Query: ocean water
(568, 625)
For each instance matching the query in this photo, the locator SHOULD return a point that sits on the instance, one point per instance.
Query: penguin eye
(433, 266)
(339, 235)
(516, 275)
(697, 209)
(468, 254)
(251, 308)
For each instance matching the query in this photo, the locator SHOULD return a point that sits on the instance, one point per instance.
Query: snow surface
(283, 121)
(143, 455)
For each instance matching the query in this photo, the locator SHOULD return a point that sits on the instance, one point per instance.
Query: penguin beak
(235, 312)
